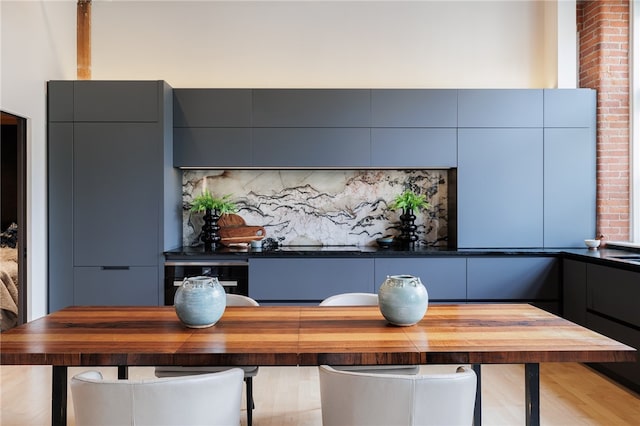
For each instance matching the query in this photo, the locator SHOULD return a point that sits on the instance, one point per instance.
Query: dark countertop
(604, 256)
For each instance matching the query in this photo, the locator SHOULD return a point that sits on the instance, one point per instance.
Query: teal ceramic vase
(200, 301)
(403, 299)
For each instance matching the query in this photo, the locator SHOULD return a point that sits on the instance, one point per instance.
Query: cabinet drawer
(293, 280)
(444, 278)
(513, 278)
(614, 293)
(116, 286)
(627, 370)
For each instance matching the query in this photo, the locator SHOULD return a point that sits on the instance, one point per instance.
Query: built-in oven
(232, 274)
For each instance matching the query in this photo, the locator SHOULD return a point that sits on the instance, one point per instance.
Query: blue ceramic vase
(200, 301)
(403, 299)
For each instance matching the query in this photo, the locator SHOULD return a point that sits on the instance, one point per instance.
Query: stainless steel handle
(208, 263)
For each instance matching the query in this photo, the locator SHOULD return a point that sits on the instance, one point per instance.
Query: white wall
(265, 44)
(37, 44)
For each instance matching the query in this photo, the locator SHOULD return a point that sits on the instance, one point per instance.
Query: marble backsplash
(321, 207)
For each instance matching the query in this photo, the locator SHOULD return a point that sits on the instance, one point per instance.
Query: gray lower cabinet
(444, 278)
(307, 280)
(612, 309)
(574, 291)
(515, 279)
(604, 299)
(116, 286)
(500, 188)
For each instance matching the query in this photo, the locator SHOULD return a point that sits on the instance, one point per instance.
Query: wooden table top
(306, 335)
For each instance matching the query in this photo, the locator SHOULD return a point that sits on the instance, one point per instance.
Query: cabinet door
(614, 293)
(500, 108)
(117, 101)
(414, 108)
(570, 108)
(60, 100)
(414, 148)
(311, 108)
(311, 147)
(513, 278)
(116, 286)
(307, 280)
(628, 373)
(574, 295)
(500, 188)
(444, 278)
(117, 188)
(212, 107)
(569, 187)
(60, 215)
(211, 147)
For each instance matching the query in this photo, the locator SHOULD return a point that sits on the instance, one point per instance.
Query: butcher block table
(307, 336)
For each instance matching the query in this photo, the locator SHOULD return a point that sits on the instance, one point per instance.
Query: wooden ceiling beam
(83, 40)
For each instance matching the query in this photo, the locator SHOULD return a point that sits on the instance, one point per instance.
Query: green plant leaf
(409, 200)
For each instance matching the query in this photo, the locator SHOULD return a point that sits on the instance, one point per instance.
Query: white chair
(249, 371)
(204, 399)
(366, 299)
(354, 398)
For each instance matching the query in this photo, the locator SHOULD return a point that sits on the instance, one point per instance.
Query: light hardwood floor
(571, 394)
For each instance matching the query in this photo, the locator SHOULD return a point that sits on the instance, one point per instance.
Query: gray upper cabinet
(212, 107)
(113, 196)
(500, 108)
(211, 147)
(311, 108)
(311, 147)
(570, 108)
(60, 101)
(414, 108)
(500, 188)
(409, 147)
(119, 101)
(60, 213)
(569, 186)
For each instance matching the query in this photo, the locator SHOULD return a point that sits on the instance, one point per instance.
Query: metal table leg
(59, 396)
(123, 372)
(532, 394)
(477, 410)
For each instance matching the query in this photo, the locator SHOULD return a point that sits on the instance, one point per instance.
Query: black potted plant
(409, 202)
(214, 207)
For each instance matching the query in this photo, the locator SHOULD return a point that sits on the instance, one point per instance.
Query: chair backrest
(351, 398)
(240, 300)
(202, 399)
(351, 299)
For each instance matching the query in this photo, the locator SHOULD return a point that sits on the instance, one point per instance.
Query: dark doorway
(13, 208)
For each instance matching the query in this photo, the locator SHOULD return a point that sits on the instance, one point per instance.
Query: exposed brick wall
(604, 65)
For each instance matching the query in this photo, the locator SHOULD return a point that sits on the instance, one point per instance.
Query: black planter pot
(408, 228)
(210, 236)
